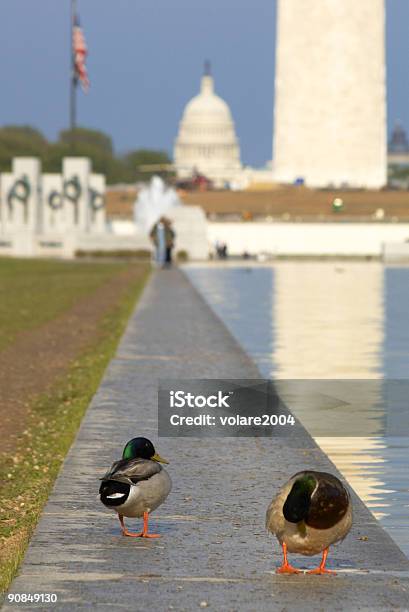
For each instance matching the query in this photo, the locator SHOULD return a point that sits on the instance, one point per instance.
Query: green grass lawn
(35, 292)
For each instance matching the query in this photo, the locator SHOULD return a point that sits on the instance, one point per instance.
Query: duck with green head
(136, 485)
(310, 512)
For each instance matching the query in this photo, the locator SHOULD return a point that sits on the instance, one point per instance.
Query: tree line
(27, 141)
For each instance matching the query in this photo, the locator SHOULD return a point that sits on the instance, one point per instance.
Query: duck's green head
(141, 448)
(298, 501)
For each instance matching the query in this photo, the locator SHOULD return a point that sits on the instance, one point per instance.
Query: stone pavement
(214, 551)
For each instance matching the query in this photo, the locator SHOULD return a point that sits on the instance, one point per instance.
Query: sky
(146, 60)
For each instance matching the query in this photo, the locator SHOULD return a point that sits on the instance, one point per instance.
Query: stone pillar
(76, 181)
(97, 211)
(20, 196)
(52, 210)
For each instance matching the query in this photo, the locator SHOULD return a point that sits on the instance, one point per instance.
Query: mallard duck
(310, 512)
(136, 485)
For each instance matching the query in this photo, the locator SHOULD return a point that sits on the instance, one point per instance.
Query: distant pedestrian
(221, 249)
(169, 241)
(163, 237)
(157, 236)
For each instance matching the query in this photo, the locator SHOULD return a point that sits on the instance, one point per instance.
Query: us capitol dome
(207, 141)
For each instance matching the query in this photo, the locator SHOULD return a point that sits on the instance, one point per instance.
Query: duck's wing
(329, 503)
(132, 471)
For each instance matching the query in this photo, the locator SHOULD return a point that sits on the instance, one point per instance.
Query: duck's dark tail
(113, 493)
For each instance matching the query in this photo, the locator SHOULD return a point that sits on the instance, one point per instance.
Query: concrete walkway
(214, 551)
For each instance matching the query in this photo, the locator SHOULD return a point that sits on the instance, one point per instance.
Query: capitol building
(207, 141)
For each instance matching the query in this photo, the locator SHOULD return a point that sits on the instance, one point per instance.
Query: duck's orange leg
(286, 568)
(125, 532)
(322, 569)
(143, 534)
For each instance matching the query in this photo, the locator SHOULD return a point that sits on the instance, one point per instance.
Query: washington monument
(330, 93)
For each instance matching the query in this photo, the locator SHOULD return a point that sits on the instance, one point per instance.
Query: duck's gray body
(147, 495)
(301, 537)
(149, 485)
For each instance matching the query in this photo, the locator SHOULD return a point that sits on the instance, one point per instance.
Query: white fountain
(156, 200)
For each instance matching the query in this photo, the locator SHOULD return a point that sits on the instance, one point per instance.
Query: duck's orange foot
(320, 571)
(286, 568)
(129, 534)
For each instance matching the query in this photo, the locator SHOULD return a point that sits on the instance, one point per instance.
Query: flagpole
(73, 79)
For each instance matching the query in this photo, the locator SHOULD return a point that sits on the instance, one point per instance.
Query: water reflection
(303, 320)
(329, 320)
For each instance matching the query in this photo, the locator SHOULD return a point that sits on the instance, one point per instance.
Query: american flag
(80, 52)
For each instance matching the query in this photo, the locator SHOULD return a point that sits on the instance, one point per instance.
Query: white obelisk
(330, 93)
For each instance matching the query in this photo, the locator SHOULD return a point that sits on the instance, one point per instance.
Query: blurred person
(157, 235)
(163, 237)
(169, 241)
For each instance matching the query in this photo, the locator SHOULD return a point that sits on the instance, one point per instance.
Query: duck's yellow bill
(158, 458)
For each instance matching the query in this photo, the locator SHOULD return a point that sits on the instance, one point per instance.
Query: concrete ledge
(396, 252)
(336, 238)
(214, 547)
